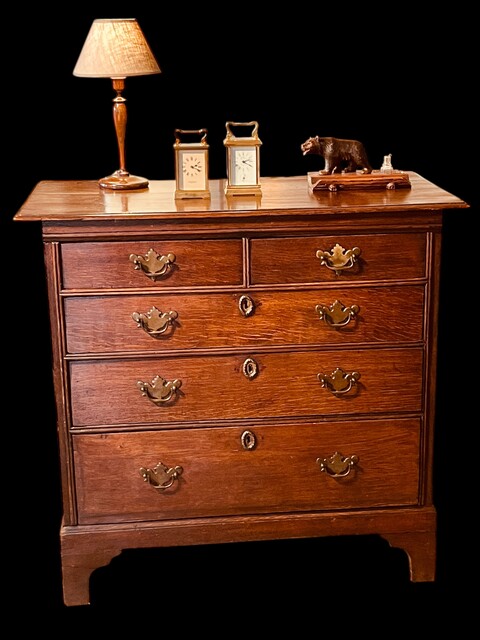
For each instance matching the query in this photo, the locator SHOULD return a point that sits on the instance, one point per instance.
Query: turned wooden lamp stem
(121, 179)
(120, 120)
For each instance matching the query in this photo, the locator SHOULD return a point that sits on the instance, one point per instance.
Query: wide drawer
(169, 390)
(109, 265)
(357, 257)
(185, 321)
(377, 464)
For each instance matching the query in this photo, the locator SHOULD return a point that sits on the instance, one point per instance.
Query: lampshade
(115, 48)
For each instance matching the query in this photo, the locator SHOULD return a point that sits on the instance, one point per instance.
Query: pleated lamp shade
(115, 48)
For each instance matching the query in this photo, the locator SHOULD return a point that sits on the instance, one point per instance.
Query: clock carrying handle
(253, 124)
(199, 132)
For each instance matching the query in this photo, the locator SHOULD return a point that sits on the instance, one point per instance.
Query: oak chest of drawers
(242, 369)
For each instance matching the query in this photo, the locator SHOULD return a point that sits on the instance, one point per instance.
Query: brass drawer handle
(336, 315)
(161, 477)
(337, 466)
(155, 322)
(159, 391)
(153, 264)
(338, 259)
(339, 382)
(246, 306)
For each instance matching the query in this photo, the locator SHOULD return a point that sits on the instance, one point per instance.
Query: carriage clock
(191, 164)
(243, 160)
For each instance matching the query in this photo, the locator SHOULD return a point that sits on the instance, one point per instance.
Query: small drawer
(157, 264)
(172, 390)
(102, 324)
(337, 258)
(189, 473)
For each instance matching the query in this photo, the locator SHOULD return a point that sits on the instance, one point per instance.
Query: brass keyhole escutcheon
(250, 368)
(248, 440)
(246, 306)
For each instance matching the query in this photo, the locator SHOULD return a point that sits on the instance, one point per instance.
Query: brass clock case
(191, 165)
(243, 160)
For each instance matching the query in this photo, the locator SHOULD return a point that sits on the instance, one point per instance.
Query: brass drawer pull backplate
(155, 322)
(339, 382)
(336, 315)
(159, 391)
(337, 466)
(161, 477)
(153, 264)
(338, 259)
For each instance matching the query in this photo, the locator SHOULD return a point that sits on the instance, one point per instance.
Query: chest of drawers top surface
(60, 201)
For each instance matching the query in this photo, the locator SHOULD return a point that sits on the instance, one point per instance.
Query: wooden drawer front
(110, 323)
(294, 260)
(286, 384)
(107, 265)
(220, 477)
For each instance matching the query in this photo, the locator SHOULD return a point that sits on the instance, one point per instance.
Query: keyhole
(246, 306)
(248, 440)
(250, 368)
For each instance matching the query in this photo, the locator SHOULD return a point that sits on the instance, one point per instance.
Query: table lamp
(117, 49)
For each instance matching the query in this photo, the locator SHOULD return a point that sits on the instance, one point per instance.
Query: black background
(398, 82)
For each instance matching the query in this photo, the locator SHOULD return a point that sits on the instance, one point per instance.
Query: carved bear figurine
(340, 155)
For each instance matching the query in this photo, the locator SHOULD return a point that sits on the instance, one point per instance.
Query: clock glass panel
(192, 170)
(243, 167)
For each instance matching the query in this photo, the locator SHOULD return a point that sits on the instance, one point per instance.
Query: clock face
(243, 166)
(192, 170)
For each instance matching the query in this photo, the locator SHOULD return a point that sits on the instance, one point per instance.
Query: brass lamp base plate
(123, 181)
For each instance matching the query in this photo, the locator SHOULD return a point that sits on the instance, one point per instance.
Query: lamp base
(123, 180)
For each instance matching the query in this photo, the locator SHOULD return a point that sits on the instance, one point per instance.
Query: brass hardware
(249, 441)
(202, 132)
(161, 477)
(153, 264)
(243, 161)
(338, 259)
(337, 466)
(191, 165)
(154, 322)
(250, 368)
(246, 306)
(253, 123)
(159, 391)
(336, 315)
(338, 382)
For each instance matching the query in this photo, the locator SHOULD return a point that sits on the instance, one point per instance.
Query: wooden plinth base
(86, 548)
(341, 181)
